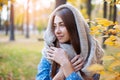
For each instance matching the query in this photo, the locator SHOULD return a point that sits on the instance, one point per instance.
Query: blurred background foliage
(22, 25)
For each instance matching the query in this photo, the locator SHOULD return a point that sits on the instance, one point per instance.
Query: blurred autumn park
(22, 26)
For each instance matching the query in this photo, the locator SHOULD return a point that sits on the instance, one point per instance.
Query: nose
(57, 30)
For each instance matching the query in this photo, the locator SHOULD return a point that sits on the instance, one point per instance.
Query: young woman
(69, 48)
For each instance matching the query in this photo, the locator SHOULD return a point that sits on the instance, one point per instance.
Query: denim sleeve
(73, 76)
(44, 68)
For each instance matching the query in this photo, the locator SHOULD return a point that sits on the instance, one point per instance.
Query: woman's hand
(77, 62)
(60, 75)
(58, 55)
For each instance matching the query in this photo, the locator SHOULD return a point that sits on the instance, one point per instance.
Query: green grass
(19, 59)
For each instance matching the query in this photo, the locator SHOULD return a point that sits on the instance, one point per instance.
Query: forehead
(57, 19)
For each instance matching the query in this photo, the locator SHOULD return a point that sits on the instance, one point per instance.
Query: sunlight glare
(45, 3)
(21, 1)
(4, 13)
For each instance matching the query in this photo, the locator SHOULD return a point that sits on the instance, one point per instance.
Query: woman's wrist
(67, 68)
(59, 76)
(62, 76)
(65, 62)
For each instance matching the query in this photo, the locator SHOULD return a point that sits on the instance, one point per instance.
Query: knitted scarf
(91, 55)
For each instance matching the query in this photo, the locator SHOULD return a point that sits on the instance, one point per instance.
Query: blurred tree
(19, 17)
(60, 2)
(6, 24)
(34, 16)
(105, 9)
(89, 8)
(105, 16)
(27, 17)
(12, 38)
(0, 21)
(115, 11)
(110, 10)
(76, 3)
(112, 15)
(81, 5)
(2, 2)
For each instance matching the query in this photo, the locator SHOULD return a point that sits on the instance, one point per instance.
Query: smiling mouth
(59, 37)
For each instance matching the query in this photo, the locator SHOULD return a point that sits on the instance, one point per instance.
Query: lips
(59, 37)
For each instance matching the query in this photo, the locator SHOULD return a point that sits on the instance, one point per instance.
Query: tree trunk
(60, 2)
(115, 12)
(110, 11)
(0, 22)
(105, 16)
(22, 25)
(12, 38)
(105, 10)
(7, 23)
(27, 27)
(89, 9)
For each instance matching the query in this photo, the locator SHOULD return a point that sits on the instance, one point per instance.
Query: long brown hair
(70, 23)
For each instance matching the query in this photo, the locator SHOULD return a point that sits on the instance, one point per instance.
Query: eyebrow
(59, 23)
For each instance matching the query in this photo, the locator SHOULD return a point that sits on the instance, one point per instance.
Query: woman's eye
(54, 25)
(62, 24)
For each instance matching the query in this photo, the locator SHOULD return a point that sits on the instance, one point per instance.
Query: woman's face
(60, 30)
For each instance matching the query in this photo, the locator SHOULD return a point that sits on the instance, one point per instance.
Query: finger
(78, 67)
(53, 48)
(50, 55)
(50, 51)
(77, 62)
(75, 58)
(50, 58)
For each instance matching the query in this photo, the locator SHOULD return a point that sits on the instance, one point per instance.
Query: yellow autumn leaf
(104, 22)
(118, 2)
(114, 64)
(116, 23)
(0, 8)
(117, 55)
(13, 1)
(107, 58)
(95, 30)
(112, 31)
(5, 2)
(107, 23)
(108, 76)
(108, 1)
(113, 41)
(95, 68)
(109, 43)
(1, 1)
(118, 77)
(117, 28)
(117, 44)
(112, 38)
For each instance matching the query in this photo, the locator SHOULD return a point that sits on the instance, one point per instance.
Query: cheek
(55, 31)
(67, 35)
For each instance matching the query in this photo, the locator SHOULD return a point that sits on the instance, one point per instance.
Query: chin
(61, 41)
(67, 42)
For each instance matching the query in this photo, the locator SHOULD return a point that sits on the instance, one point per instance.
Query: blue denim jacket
(44, 71)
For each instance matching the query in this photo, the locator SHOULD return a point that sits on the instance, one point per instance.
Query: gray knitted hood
(91, 55)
